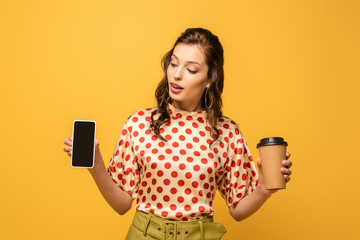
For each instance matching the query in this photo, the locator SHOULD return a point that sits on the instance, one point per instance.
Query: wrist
(96, 169)
(99, 164)
(265, 192)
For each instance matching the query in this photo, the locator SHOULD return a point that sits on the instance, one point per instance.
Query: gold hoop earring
(167, 91)
(206, 96)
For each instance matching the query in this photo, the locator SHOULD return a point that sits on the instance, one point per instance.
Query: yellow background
(291, 70)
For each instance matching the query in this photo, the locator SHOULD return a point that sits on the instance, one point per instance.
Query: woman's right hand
(99, 162)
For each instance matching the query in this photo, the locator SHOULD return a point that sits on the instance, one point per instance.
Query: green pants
(150, 227)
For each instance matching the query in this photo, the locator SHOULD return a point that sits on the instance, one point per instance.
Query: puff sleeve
(123, 166)
(240, 176)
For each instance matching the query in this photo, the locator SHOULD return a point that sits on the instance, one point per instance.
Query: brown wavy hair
(214, 56)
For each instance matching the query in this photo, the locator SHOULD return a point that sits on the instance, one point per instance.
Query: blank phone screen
(83, 144)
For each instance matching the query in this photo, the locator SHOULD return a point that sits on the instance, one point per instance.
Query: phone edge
(93, 162)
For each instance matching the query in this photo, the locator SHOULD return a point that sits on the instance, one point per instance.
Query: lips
(175, 90)
(177, 85)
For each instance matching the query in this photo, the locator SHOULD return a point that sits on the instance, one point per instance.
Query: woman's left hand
(285, 170)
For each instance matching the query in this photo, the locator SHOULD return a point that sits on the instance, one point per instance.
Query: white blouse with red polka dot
(178, 179)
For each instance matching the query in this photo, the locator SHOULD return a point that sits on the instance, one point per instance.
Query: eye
(191, 71)
(173, 64)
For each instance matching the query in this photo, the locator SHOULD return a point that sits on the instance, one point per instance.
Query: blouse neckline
(179, 113)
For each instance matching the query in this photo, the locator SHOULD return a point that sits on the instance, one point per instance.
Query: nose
(177, 74)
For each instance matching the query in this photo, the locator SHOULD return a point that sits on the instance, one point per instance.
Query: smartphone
(83, 144)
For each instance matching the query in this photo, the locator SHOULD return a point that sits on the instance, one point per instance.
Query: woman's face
(187, 69)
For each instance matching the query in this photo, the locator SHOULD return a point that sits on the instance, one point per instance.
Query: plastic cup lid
(271, 141)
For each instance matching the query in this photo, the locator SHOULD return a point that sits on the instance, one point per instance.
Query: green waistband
(161, 228)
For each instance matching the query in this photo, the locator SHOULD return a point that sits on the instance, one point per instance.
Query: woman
(172, 158)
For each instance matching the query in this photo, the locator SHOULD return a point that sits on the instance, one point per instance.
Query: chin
(175, 98)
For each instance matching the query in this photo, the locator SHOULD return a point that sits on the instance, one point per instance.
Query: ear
(208, 84)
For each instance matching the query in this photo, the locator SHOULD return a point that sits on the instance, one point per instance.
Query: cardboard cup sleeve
(272, 152)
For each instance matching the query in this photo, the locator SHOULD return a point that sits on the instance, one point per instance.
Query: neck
(190, 107)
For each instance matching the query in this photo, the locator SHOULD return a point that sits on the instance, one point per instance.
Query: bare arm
(252, 202)
(116, 197)
(248, 205)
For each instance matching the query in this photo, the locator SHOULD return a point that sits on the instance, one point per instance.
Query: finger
(287, 155)
(286, 171)
(290, 164)
(258, 162)
(66, 141)
(67, 149)
(71, 138)
(69, 153)
(287, 163)
(287, 178)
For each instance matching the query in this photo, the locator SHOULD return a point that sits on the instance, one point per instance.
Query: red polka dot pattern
(178, 179)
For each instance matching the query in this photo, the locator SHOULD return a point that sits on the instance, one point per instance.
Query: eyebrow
(187, 61)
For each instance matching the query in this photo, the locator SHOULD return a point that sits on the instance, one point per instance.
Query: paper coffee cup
(272, 152)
